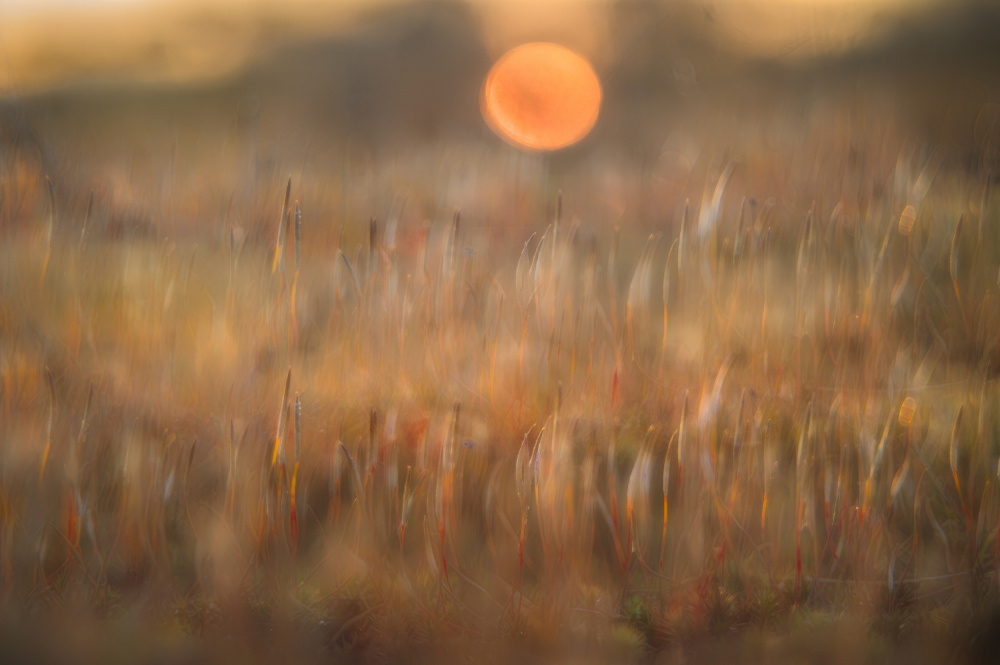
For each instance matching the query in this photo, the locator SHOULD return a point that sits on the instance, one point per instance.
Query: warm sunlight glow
(541, 96)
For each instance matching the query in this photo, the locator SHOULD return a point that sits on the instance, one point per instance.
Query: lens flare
(541, 96)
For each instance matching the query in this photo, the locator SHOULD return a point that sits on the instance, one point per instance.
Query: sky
(50, 42)
(27, 4)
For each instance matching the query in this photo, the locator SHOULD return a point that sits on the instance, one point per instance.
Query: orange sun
(541, 96)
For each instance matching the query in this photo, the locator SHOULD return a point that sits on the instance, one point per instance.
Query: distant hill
(938, 67)
(942, 66)
(409, 70)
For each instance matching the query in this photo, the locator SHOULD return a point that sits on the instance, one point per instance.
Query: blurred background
(122, 88)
